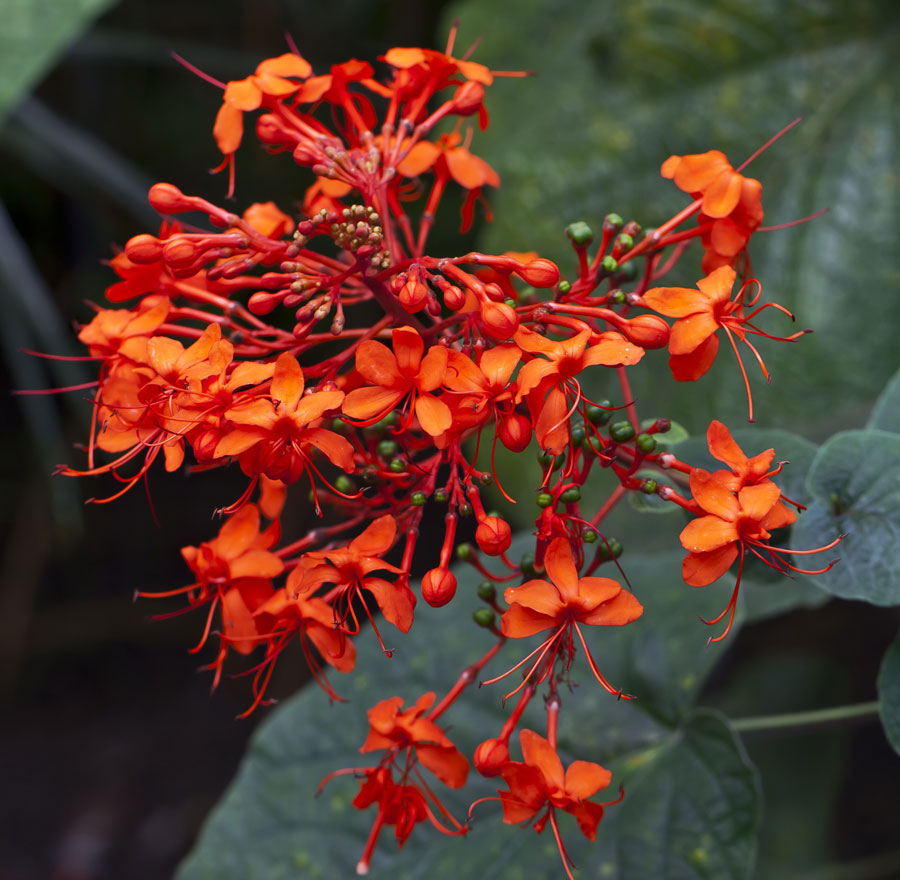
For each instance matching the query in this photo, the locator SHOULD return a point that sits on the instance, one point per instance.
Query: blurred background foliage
(113, 753)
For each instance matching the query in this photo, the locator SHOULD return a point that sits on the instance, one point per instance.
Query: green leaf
(855, 481)
(621, 86)
(691, 807)
(889, 693)
(34, 34)
(886, 412)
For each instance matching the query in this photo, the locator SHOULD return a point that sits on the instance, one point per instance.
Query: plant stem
(801, 722)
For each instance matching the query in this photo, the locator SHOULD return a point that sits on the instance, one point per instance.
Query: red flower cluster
(394, 361)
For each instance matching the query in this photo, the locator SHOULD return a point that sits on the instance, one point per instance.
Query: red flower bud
(647, 331)
(454, 298)
(168, 199)
(493, 535)
(515, 432)
(438, 587)
(413, 295)
(500, 320)
(270, 130)
(490, 756)
(179, 252)
(468, 98)
(539, 273)
(143, 249)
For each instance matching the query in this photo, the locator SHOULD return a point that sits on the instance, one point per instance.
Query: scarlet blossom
(739, 511)
(731, 208)
(549, 383)
(124, 332)
(273, 435)
(562, 604)
(700, 313)
(274, 77)
(539, 783)
(351, 569)
(398, 375)
(392, 730)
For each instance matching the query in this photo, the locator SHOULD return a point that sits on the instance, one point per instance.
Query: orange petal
(560, 565)
(376, 364)
(618, 611)
(778, 517)
(433, 368)
(701, 569)
(594, 590)
(377, 539)
(312, 406)
(519, 622)
(419, 159)
(434, 415)
(539, 596)
(675, 302)
(289, 64)
(448, 764)
(396, 601)
(613, 350)
(257, 564)
(408, 349)
(243, 94)
(287, 381)
(708, 533)
(690, 367)
(470, 171)
(369, 402)
(538, 753)
(713, 494)
(696, 172)
(758, 500)
(238, 532)
(723, 195)
(338, 450)
(498, 364)
(584, 778)
(691, 332)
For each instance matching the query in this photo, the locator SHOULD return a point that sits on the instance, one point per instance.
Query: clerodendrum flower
(739, 511)
(700, 313)
(539, 783)
(564, 603)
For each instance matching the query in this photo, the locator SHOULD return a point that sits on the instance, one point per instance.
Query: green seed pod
(617, 297)
(571, 495)
(463, 551)
(621, 431)
(484, 617)
(579, 434)
(486, 591)
(563, 287)
(623, 243)
(418, 499)
(544, 499)
(344, 484)
(486, 479)
(613, 223)
(441, 496)
(465, 509)
(608, 265)
(645, 442)
(398, 465)
(545, 459)
(387, 448)
(580, 233)
(649, 487)
(588, 535)
(597, 415)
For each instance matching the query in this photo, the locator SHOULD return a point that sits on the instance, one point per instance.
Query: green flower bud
(571, 495)
(544, 499)
(387, 448)
(418, 499)
(441, 496)
(563, 287)
(398, 465)
(645, 442)
(580, 233)
(344, 484)
(649, 487)
(484, 617)
(597, 415)
(621, 431)
(486, 591)
(464, 551)
(588, 535)
(613, 222)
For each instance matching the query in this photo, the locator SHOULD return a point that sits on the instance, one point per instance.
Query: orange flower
(549, 383)
(731, 209)
(740, 510)
(393, 730)
(274, 77)
(693, 343)
(561, 604)
(397, 375)
(350, 567)
(540, 783)
(273, 435)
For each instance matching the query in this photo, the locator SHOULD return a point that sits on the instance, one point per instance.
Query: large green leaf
(621, 86)
(691, 807)
(889, 693)
(855, 480)
(34, 34)
(886, 412)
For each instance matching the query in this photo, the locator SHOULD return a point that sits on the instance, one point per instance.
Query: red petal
(700, 569)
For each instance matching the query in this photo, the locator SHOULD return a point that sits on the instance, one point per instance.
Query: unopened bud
(168, 199)
(468, 98)
(539, 273)
(500, 320)
(143, 249)
(490, 757)
(647, 331)
(493, 535)
(438, 587)
(515, 432)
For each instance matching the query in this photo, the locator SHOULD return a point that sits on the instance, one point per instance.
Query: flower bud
(500, 320)
(179, 252)
(270, 130)
(454, 298)
(468, 98)
(168, 199)
(515, 432)
(143, 249)
(539, 273)
(438, 587)
(647, 331)
(413, 295)
(493, 535)
(490, 756)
